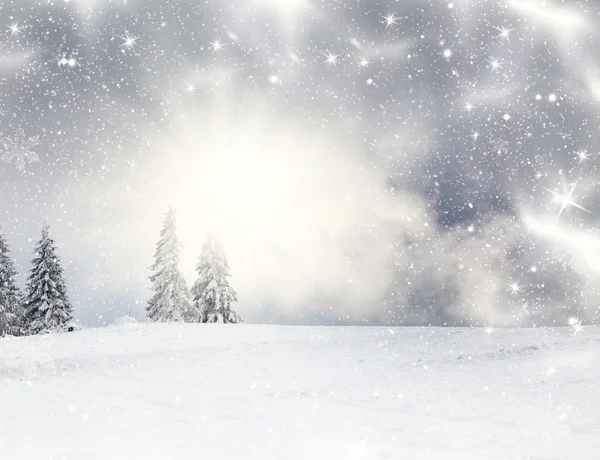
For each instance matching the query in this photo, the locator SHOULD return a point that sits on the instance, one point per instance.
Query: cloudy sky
(366, 162)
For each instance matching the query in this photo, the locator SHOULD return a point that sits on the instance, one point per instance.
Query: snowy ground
(271, 392)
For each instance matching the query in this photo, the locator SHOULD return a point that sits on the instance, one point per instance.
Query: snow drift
(174, 391)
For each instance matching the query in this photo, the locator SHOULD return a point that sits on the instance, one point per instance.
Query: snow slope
(174, 391)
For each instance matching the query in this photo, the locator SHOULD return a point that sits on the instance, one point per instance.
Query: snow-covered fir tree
(212, 293)
(47, 306)
(171, 301)
(10, 296)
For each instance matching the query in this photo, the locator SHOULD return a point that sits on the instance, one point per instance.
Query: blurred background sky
(370, 162)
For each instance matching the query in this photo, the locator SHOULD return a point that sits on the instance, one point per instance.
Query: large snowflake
(501, 146)
(18, 150)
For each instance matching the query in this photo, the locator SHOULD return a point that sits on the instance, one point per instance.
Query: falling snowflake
(18, 150)
(97, 281)
(501, 146)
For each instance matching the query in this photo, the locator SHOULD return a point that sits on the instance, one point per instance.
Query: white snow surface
(199, 391)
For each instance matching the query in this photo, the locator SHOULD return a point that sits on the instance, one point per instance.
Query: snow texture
(210, 391)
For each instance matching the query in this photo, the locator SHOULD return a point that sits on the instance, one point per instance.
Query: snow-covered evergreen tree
(212, 293)
(171, 301)
(10, 297)
(47, 307)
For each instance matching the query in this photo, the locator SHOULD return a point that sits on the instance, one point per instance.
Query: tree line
(211, 297)
(45, 307)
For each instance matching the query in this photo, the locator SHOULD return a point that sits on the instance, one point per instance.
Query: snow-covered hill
(269, 392)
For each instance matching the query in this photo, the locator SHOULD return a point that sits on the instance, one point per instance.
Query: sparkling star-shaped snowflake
(18, 150)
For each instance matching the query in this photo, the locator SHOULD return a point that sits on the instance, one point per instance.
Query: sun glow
(282, 198)
(248, 180)
(245, 182)
(284, 7)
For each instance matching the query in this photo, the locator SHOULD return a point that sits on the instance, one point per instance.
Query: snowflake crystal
(501, 146)
(18, 150)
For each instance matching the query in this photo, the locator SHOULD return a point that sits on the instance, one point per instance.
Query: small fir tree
(47, 306)
(171, 301)
(10, 296)
(212, 293)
